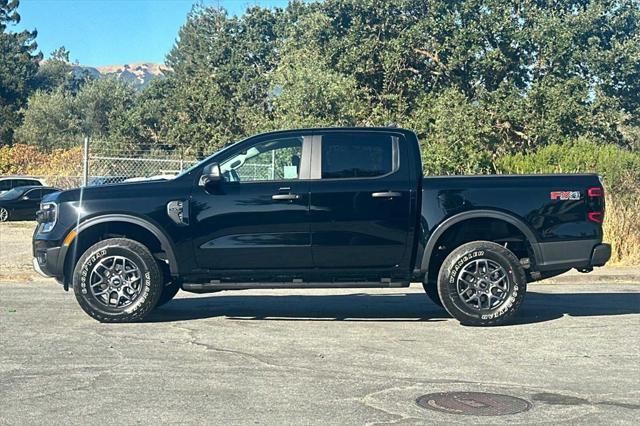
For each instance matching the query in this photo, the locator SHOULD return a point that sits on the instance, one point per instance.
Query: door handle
(386, 194)
(286, 197)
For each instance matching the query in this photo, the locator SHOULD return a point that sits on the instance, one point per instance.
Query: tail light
(595, 204)
(597, 217)
(594, 192)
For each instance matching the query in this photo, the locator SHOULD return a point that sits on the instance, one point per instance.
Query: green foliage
(51, 121)
(306, 93)
(528, 73)
(60, 119)
(618, 166)
(57, 72)
(102, 103)
(220, 65)
(477, 79)
(456, 134)
(18, 66)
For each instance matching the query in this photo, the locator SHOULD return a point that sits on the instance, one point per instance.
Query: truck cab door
(256, 217)
(361, 201)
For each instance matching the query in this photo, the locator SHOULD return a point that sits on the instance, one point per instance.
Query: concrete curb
(594, 279)
(599, 276)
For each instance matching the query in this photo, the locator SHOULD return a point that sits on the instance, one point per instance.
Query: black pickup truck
(320, 208)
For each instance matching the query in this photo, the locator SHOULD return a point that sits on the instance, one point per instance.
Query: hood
(106, 191)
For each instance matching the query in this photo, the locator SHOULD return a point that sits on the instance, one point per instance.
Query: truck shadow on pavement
(537, 307)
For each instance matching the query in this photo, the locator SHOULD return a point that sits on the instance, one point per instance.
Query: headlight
(47, 216)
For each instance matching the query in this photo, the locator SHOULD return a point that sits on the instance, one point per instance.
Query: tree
(538, 73)
(52, 120)
(60, 118)
(56, 72)
(305, 92)
(103, 106)
(148, 123)
(18, 66)
(220, 64)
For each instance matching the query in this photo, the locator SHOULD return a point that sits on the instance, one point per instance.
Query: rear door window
(34, 194)
(358, 155)
(25, 182)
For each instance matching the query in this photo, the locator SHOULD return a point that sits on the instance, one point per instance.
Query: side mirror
(211, 173)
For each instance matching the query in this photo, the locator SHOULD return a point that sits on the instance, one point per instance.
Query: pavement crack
(193, 340)
(369, 401)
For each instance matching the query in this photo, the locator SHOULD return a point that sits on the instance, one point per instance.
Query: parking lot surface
(317, 357)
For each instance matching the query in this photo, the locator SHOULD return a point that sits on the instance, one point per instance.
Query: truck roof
(325, 129)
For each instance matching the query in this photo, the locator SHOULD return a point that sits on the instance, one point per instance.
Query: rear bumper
(579, 254)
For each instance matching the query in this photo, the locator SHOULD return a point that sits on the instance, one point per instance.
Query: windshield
(195, 166)
(13, 194)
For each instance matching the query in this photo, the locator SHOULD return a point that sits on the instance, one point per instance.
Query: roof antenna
(392, 124)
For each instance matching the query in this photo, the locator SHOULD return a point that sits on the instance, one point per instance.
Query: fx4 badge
(565, 195)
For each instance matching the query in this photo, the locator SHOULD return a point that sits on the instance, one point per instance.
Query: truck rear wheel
(482, 283)
(117, 280)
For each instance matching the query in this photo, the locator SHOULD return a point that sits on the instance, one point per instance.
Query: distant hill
(140, 74)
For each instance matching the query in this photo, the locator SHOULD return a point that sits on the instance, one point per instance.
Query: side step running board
(216, 285)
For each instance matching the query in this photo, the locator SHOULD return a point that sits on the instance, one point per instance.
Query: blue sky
(107, 32)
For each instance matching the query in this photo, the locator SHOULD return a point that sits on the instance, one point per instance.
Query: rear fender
(476, 214)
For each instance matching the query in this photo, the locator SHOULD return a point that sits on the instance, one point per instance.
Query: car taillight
(597, 217)
(594, 192)
(595, 204)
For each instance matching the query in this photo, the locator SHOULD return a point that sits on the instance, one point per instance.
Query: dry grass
(622, 227)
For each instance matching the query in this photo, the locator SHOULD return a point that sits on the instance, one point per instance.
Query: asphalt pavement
(317, 357)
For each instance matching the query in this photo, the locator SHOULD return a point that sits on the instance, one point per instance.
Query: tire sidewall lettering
(87, 266)
(146, 288)
(453, 272)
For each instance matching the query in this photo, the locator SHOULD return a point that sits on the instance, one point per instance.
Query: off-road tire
(431, 288)
(152, 281)
(463, 256)
(168, 293)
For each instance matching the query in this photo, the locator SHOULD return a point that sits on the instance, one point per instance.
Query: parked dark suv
(324, 208)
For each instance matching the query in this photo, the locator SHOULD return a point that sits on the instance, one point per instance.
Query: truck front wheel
(117, 280)
(482, 283)
(168, 293)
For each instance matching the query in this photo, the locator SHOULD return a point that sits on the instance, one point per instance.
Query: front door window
(272, 160)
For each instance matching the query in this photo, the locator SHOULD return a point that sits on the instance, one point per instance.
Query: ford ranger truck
(320, 208)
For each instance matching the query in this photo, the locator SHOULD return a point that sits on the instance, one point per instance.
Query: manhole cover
(473, 403)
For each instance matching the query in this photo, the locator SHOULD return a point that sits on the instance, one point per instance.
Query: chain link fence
(115, 166)
(107, 166)
(62, 182)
